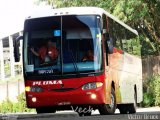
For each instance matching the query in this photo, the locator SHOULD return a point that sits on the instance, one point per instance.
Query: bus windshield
(62, 45)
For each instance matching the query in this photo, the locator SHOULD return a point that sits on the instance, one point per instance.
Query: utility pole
(11, 56)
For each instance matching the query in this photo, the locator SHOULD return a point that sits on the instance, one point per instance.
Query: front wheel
(45, 110)
(106, 109)
(84, 114)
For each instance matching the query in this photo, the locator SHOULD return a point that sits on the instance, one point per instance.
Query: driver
(89, 56)
(47, 53)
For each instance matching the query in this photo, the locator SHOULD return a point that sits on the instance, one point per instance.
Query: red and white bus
(97, 63)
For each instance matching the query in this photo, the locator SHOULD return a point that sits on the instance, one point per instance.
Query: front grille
(62, 89)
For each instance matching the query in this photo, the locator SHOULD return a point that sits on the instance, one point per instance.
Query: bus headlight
(92, 85)
(27, 88)
(33, 89)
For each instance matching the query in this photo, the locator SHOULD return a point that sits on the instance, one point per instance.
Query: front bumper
(73, 97)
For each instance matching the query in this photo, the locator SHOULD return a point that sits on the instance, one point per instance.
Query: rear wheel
(45, 110)
(123, 109)
(106, 109)
(129, 108)
(132, 107)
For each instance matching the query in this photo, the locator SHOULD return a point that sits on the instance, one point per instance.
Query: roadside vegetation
(151, 92)
(7, 106)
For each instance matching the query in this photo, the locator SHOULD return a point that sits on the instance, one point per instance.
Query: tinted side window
(132, 44)
(124, 39)
(115, 33)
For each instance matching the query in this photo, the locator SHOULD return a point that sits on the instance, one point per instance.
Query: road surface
(142, 114)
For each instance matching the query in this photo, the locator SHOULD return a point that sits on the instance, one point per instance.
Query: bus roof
(78, 11)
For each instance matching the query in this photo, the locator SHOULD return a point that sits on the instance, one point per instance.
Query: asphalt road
(142, 114)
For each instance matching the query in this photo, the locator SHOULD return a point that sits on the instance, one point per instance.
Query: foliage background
(151, 96)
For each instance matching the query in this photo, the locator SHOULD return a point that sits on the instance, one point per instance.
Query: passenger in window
(47, 53)
(89, 56)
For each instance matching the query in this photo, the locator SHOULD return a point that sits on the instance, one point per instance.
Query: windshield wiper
(74, 63)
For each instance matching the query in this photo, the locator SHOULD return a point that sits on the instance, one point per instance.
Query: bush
(148, 100)
(151, 96)
(21, 103)
(15, 107)
(0, 108)
(20, 106)
(6, 106)
(156, 88)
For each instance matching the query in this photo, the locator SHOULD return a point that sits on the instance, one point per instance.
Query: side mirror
(16, 48)
(110, 46)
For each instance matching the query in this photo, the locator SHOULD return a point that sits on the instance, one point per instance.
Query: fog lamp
(34, 99)
(93, 96)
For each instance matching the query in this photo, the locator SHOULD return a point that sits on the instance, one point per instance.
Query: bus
(80, 58)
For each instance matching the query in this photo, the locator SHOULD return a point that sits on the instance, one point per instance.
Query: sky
(13, 14)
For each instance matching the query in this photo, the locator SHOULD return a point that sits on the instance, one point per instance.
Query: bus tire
(84, 114)
(45, 110)
(80, 114)
(123, 109)
(132, 107)
(129, 108)
(107, 109)
(88, 114)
